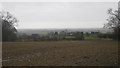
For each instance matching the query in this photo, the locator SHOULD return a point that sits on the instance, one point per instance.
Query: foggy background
(42, 15)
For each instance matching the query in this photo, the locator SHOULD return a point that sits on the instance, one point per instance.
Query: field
(60, 53)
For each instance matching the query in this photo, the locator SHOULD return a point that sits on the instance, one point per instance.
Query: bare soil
(60, 53)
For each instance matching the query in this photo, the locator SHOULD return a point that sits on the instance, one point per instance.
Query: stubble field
(60, 53)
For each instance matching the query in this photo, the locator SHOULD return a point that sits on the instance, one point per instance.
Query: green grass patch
(95, 38)
(70, 37)
(91, 37)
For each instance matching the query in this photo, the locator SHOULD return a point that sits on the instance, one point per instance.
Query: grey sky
(60, 14)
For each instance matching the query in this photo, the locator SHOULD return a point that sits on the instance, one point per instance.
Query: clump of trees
(114, 23)
(9, 23)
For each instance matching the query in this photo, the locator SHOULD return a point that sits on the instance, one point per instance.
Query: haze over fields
(46, 31)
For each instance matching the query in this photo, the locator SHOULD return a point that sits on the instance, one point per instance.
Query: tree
(9, 31)
(114, 23)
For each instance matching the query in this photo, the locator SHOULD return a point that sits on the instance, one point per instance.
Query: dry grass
(60, 53)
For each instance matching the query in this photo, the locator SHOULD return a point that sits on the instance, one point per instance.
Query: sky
(35, 15)
(59, 0)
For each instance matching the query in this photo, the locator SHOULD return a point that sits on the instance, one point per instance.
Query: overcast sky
(59, 14)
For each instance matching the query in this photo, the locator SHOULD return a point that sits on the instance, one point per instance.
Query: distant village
(65, 35)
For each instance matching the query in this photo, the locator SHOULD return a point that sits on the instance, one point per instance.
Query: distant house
(62, 33)
(35, 35)
(95, 32)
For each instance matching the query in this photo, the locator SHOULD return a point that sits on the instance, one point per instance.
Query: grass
(95, 38)
(91, 37)
(70, 37)
(60, 53)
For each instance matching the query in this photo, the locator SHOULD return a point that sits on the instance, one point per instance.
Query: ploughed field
(60, 53)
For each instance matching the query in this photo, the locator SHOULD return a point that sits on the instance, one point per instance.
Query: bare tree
(9, 23)
(114, 23)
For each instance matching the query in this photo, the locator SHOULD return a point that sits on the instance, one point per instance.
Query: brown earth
(60, 53)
